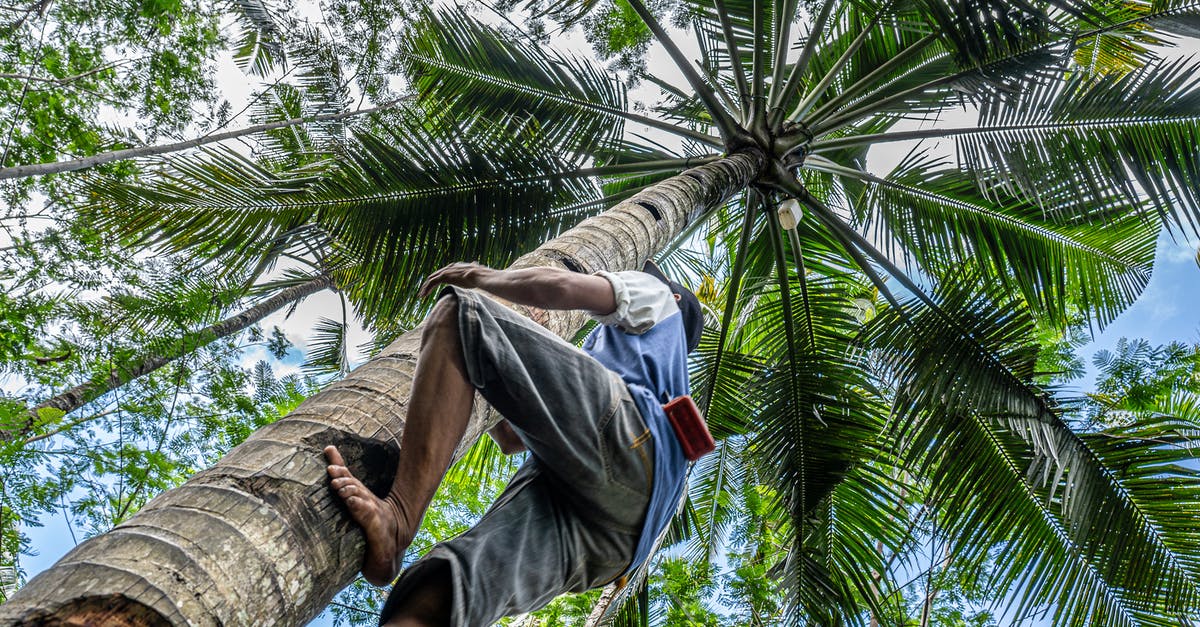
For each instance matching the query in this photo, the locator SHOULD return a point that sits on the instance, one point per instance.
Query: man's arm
(545, 288)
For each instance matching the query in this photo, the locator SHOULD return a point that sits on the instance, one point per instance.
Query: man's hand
(461, 274)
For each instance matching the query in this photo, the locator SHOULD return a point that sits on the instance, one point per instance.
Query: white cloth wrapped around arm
(642, 301)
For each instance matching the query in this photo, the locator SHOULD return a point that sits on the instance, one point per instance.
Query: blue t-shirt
(644, 342)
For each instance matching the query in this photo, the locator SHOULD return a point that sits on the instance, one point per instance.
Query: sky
(1168, 310)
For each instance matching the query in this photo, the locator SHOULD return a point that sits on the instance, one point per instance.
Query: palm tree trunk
(601, 608)
(55, 167)
(259, 539)
(74, 398)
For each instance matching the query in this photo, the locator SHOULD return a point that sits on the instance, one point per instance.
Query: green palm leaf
(1132, 135)
(455, 62)
(937, 216)
(409, 204)
(965, 413)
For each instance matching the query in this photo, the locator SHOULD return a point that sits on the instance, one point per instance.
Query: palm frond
(712, 493)
(460, 65)
(217, 204)
(981, 30)
(328, 353)
(410, 203)
(727, 32)
(1093, 137)
(966, 412)
(1098, 259)
(260, 47)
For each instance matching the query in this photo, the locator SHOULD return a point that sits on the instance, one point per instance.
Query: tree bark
(38, 169)
(74, 398)
(259, 539)
(601, 608)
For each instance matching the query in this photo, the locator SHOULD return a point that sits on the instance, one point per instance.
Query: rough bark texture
(74, 398)
(602, 606)
(259, 539)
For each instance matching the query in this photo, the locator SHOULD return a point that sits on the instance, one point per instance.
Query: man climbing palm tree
(605, 468)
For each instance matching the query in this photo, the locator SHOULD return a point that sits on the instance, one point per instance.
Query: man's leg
(438, 410)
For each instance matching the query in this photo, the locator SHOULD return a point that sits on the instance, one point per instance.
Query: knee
(443, 316)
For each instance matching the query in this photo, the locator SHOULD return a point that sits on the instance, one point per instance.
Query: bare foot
(382, 520)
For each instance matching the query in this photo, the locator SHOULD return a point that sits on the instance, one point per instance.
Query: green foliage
(683, 586)
(1139, 381)
(65, 62)
(619, 35)
(80, 306)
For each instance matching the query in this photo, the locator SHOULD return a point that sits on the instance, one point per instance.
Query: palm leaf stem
(734, 286)
(722, 461)
(789, 326)
(707, 67)
(481, 77)
(1155, 13)
(735, 57)
(666, 86)
(783, 31)
(864, 264)
(934, 133)
(798, 253)
(876, 106)
(829, 220)
(721, 118)
(825, 165)
(811, 98)
(718, 89)
(865, 82)
(684, 96)
(826, 216)
(758, 108)
(792, 85)
(645, 167)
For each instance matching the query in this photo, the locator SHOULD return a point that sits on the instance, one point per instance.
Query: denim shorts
(571, 516)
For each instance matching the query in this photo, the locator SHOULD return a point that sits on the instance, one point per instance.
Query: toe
(334, 456)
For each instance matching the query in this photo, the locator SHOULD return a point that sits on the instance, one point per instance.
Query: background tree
(98, 467)
(83, 317)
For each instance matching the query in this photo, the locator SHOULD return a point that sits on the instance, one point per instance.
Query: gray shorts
(570, 518)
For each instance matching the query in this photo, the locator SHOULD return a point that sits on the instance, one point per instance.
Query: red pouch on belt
(689, 428)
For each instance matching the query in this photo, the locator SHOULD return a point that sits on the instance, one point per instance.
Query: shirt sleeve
(642, 301)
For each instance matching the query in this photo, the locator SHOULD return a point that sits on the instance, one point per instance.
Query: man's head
(689, 305)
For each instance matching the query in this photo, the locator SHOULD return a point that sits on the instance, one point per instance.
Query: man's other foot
(382, 520)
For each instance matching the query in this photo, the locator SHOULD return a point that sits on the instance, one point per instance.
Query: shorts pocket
(627, 449)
